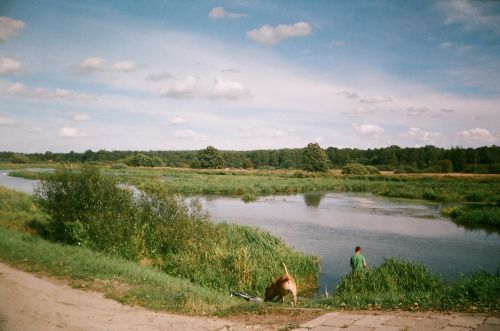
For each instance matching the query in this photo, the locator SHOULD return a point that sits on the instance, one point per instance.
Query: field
(138, 279)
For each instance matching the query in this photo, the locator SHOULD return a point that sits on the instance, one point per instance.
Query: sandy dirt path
(31, 303)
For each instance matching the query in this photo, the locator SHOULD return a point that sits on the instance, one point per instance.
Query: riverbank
(411, 287)
(476, 198)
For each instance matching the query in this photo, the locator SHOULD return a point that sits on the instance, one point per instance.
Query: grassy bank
(449, 188)
(393, 285)
(397, 284)
(481, 190)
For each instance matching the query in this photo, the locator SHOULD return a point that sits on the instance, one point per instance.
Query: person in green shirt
(358, 261)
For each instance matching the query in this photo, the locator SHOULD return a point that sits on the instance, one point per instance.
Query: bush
(315, 158)
(89, 209)
(359, 169)
(142, 160)
(19, 158)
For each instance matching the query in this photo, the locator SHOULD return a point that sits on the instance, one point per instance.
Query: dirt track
(30, 303)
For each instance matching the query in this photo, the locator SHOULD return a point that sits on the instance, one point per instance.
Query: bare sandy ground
(31, 303)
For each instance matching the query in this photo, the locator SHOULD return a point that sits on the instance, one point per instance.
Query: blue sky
(77, 75)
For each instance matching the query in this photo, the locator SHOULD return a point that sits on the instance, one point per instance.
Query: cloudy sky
(77, 75)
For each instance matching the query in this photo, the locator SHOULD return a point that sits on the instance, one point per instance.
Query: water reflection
(313, 199)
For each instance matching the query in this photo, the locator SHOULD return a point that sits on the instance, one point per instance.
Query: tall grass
(158, 228)
(397, 284)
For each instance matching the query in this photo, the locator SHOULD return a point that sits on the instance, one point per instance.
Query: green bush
(90, 209)
(142, 160)
(19, 158)
(359, 169)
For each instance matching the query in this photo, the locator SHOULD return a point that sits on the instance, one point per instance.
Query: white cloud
(414, 111)
(376, 99)
(270, 35)
(338, 43)
(349, 95)
(186, 133)
(35, 129)
(470, 14)
(422, 135)
(368, 129)
(9, 27)
(70, 132)
(124, 66)
(98, 64)
(228, 89)
(361, 110)
(446, 44)
(318, 139)
(4, 121)
(157, 76)
(80, 117)
(186, 87)
(8, 65)
(177, 120)
(41, 93)
(477, 135)
(95, 63)
(220, 12)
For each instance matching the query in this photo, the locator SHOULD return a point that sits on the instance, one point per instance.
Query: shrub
(142, 160)
(90, 209)
(19, 158)
(355, 169)
(87, 208)
(210, 158)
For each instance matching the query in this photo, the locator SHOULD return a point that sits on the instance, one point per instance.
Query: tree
(315, 158)
(142, 160)
(19, 158)
(210, 158)
(443, 166)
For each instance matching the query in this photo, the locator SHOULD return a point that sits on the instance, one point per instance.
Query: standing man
(358, 261)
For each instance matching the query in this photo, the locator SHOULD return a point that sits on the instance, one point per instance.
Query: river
(332, 224)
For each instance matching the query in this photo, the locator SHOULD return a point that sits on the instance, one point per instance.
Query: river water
(332, 224)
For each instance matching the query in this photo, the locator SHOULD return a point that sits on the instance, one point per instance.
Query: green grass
(474, 215)
(147, 287)
(393, 285)
(485, 189)
(397, 284)
(249, 185)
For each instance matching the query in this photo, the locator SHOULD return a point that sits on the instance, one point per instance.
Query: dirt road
(31, 303)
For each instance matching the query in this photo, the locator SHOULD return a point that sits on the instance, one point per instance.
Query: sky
(242, 75)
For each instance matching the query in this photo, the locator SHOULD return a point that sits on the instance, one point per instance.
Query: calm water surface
(332, 224)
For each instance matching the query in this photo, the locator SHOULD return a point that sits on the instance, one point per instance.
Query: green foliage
(315, 158)
(443, 166)
(475, 215)
(90, 209)
(144, 286)
(19, 159)
(359, 169)
(142, 160)
(397, 284)
(210, 158)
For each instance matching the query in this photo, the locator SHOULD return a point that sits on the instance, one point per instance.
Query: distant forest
(422, 159)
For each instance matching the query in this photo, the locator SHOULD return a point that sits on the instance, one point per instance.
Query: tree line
(428, 158)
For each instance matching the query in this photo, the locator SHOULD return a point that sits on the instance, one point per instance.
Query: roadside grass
(147, 287)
